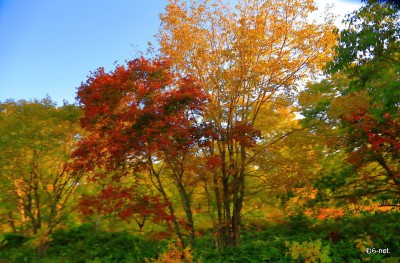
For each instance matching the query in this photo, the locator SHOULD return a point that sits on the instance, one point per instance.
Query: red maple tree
(136, 116)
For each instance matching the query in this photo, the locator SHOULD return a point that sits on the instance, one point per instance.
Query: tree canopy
(361, 100)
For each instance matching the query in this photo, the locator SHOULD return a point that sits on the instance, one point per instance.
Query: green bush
(84, 244)
(267, 243)
(12, 240)
(345, 237)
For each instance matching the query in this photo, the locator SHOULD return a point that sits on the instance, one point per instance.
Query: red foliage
(381, 135)
(213, 162)
(125, 203)
(245, 134)
(139, 110)
(374, 138)
(159, 235)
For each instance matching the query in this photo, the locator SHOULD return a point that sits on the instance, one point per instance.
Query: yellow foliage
(250, 57)
(363, 242)
(247, 54)
(175, 254)
(310, 252)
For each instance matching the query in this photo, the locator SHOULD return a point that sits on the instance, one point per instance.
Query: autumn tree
(142, 120)
(36, 141)
(357, 107)
(247, 56)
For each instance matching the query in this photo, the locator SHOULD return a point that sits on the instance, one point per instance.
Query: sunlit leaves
(246, 53)
(250, 57)
(357, 107)
(135, 111)
(36, 141)
(125, 203)
(140, 118)
(368, 53)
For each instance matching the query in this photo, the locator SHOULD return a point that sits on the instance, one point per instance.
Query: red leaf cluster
(213, 162)
(245, 134)
(137, 111)
(132, 114)
(125, 203)
(373, 138)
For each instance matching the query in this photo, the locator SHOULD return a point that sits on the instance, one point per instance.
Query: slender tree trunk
(38, 213)
(220, 226)
(238, 198)
(160, 188)
(186, 202)
(19, 194)
(98, 222)
(11, 222)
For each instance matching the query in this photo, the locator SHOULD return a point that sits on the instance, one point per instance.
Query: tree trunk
(186, 202)
(11, 222)
(233, 186)
(159, 186)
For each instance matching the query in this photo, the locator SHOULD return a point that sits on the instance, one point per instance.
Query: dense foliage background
(251, 135)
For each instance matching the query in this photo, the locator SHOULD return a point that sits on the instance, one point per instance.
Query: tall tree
(142, 119)
(361, 100)
(246, 56)
(36, 141)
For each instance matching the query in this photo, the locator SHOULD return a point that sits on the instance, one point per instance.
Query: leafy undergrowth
(85, 244)
(298, 239)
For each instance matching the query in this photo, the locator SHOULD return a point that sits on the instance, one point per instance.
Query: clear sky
(50, 46)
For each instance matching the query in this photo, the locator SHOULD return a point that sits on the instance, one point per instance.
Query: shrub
(309, 252)
(12, 240)
(175, 254)
(84, 243)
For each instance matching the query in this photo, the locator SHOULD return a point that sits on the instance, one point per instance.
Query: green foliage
(378, 229)
(368, 53)
(40, 241)
(12, 240)
(352, 120)
(269, 244)
(356, 109)
(313, 242)
(12, 248)
(35, 145)
(250, 250)
(381, 227)
(297, 224)
(85, 243)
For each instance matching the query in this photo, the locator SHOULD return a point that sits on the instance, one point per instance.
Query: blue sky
(50, 46)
